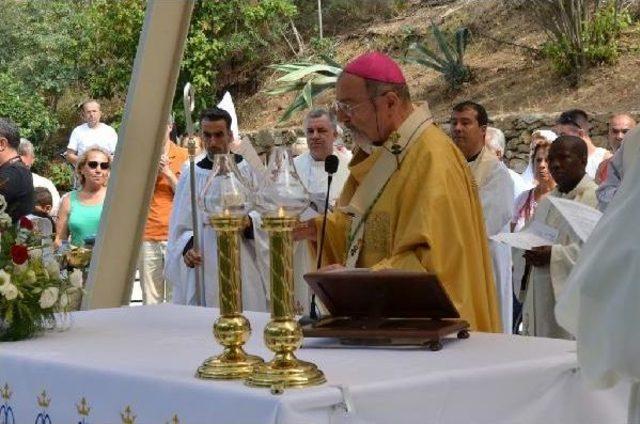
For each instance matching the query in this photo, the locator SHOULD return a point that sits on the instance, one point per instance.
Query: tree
(230, 41)
(27, 109)
(41, 46)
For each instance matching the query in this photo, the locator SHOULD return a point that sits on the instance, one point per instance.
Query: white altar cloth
(145, 357)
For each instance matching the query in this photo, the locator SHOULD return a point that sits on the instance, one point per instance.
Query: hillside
(507, 78)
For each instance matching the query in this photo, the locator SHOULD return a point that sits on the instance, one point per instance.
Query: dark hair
(42, 196)
(576, 117)
(216, 114)
(481, 112)
(576, 144)
(10, 131)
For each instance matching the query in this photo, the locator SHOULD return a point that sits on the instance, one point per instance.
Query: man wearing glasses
(409, 202)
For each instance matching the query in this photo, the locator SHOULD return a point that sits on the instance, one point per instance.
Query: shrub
(27, 109)
(449, 60)
(61, 174)
(580, 34)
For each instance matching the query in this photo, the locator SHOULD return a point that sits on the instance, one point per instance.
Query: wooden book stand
(384, 308)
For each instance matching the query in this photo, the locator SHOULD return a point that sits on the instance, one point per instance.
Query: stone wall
(517, 128)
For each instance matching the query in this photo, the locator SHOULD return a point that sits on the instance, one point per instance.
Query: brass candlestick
(231, 329)
(283, 335)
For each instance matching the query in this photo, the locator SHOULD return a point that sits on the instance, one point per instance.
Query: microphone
(330, 166)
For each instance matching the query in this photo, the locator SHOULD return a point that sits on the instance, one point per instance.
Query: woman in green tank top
(80, 211)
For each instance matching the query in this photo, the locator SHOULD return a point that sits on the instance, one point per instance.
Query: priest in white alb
(321, 129)
(182, 257)
(599, 305)
(550, 265)
(468, 128)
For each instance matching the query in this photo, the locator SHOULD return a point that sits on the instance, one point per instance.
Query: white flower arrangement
(33, 288)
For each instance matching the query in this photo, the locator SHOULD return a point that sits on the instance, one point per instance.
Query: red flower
(19, 254)
(26, 223)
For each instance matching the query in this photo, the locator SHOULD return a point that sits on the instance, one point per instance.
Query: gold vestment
(427, 218)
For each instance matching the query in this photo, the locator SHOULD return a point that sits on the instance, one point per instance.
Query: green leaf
(306, 94)
(286, 88)
(443, 44)
(297, 104)
(301, 73)
(462, 40)
(421, 49)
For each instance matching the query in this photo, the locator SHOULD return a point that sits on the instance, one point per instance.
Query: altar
(136, 365)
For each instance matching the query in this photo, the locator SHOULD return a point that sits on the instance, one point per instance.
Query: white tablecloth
(145, 357)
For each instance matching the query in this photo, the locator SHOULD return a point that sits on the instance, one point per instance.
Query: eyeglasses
(346, 108)
(94, 164)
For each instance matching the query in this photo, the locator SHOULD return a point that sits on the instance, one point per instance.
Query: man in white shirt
(91, 133)
(575, 122)
(25, 150)
(468, 129)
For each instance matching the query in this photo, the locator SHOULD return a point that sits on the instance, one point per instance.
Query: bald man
(619, 126)
(550, 265)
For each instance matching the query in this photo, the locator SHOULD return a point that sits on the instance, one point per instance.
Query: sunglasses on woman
(93, 164)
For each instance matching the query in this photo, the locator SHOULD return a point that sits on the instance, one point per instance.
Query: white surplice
(600, 302)
(547, 283)
(314, 178)
(496, 191)
(180, 276)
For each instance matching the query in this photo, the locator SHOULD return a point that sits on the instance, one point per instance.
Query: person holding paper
(550, 265)
(600, 302)
(410, 202)
(468, 127)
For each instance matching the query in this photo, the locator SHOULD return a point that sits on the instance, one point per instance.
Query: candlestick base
(233, 363)
(284, 336)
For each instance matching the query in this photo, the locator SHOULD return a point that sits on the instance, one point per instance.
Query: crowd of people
(409, 196)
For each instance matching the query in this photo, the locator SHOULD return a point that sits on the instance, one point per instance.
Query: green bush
(61, 174)
(27, 109)
(598, 43)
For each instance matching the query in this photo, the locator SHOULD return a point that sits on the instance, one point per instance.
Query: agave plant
(310, 79)
(449, 60)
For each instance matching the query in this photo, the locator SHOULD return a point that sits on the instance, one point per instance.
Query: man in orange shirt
(156, 232)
